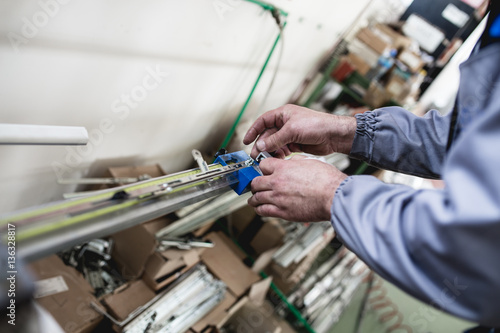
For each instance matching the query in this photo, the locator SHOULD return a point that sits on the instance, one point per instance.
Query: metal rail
(53, 227)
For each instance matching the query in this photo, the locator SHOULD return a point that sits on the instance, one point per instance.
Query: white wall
(74, 67)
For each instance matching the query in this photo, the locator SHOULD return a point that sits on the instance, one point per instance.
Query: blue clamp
(245, 175)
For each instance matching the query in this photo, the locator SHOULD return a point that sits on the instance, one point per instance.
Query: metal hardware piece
(263, 155)
(107, 181)
(184, 244)
(199, 159)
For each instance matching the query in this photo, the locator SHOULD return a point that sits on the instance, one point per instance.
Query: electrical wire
(278, 63)
(247, 102)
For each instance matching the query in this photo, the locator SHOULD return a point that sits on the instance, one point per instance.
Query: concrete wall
(150, 79)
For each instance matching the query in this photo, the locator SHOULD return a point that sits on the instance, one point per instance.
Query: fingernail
(261, 145)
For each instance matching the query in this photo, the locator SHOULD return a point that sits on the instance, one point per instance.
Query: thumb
(273, 140)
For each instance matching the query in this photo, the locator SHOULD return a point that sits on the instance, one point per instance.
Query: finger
(260, 184)
(295, 148)
(266, 133)
(269, 119)
(280, 153)
(261, 198)
(269, 210)
(269, 165)
(274, 141)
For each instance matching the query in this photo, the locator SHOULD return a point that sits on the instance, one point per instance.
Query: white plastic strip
(15, 134)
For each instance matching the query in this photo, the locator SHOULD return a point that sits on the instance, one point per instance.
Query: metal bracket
(199, 159)
(262, 156)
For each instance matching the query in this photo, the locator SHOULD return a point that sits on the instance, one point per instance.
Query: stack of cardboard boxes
(364, 53)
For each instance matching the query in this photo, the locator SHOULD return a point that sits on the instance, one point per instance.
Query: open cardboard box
(247, 316)
(127, 298)
(241, 281)
(162, 268)
(229, 306)
(133, 246)
(227, 266)
(136, 255)
(65, 294)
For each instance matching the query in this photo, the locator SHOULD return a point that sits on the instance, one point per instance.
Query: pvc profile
(15, 134)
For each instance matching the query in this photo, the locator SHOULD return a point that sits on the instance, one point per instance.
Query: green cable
(361, 169)
(247, 102)
(290, 306)
(268, 6)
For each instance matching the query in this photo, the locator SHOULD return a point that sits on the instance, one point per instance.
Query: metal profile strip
(58, 229)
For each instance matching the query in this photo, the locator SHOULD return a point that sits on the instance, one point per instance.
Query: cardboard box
(152, 171)
(232, 245)
(132, 248)
(227, 266)
(397, 40)
(364, 52)
(375, 42)
(361, 65)
(376, 96)
(269, 236)
(127, 298)
(65, 294)
(242, 218)
(243, 318)
(162, 268)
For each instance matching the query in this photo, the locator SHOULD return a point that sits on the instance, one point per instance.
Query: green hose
(268, 6)
(247, 102)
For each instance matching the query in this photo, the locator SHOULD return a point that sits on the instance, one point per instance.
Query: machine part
(183, 244)
(245, 175)
(221, 206)
(199, 159)
(261, 156)
(105, 181)
(53, 227)
(221, 152)
(93, 260)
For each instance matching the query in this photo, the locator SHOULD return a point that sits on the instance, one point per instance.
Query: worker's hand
(292, 128)
(299, 190)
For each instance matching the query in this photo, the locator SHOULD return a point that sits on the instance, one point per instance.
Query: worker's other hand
(299, 190)
(292, 128)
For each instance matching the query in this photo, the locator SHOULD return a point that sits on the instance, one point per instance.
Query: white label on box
(455, 15)
(50, 286)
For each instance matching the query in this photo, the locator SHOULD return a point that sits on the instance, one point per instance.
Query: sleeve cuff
(362, 146)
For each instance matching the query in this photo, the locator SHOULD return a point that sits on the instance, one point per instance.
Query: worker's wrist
(342, 133)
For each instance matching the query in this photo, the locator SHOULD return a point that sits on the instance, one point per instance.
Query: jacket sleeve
(395, 139)
(439, 245)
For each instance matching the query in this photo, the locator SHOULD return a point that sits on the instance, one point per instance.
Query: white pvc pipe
(14, 134)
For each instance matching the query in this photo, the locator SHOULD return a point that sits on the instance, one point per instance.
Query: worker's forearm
(395, 139)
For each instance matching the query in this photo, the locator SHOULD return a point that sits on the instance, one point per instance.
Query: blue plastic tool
(245, 175)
